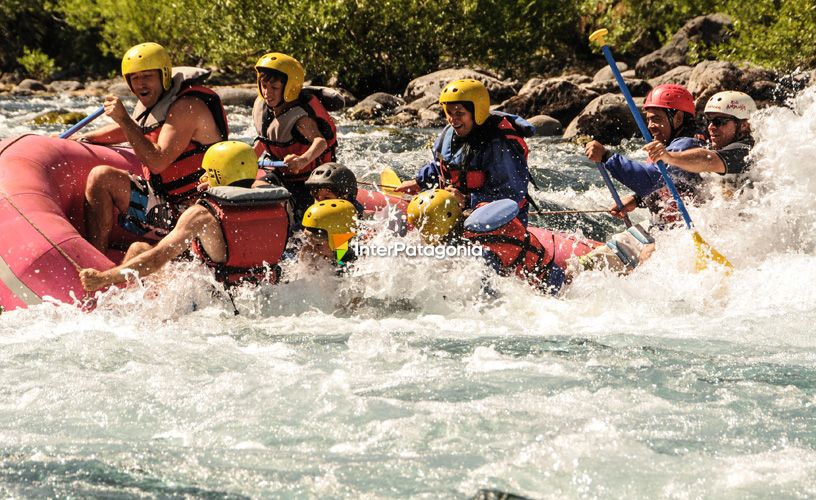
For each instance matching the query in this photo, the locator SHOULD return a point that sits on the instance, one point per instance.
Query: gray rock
(237, 96)
(65, 86)
(636, 87)
(431, 118)
(546, 125)
(679, 75)
(432, 84)
(557, 97)
(606, 119)
(120, 89)
(629, 73)
(31, 85)
(605, 73)
(705, 30)
(374, 106)
(333, 99)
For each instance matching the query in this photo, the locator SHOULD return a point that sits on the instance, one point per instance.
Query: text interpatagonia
(401, 248)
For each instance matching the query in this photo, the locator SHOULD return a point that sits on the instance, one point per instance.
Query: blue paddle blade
(267, 163)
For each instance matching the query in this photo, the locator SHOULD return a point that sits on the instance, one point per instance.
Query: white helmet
(737, 104)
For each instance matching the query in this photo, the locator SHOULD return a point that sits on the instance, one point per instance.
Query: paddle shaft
(644, 131)
(614, 193)
(81, 123)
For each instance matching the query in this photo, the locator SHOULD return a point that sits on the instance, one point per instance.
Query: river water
(402, 381)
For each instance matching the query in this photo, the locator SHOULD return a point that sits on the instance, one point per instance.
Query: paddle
(614, 193)
(389, 180)
(705, 252)
(81, 123)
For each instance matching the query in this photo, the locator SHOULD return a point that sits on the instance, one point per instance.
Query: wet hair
(244, 183)
(467, 105)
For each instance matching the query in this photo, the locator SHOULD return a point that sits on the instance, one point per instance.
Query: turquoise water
(402, 382)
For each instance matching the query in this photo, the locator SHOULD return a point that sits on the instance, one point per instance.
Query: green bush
(37, 64)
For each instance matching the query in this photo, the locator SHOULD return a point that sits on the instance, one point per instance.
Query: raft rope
(51, 242)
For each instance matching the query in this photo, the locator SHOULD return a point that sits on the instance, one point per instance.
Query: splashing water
(402, 380)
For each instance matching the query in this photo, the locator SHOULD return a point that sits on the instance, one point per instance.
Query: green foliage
(773, 34)
(37, 64)
(373, 45)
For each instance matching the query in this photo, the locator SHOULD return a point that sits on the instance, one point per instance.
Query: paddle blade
(389, 180)
(706, 253)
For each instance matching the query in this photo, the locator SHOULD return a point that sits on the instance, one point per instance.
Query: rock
(31, 85)
(705, 30)
(577, 78)
(431, 118)
(679, 75)
(421, 103)
(606, 119)
(546, 125)
(237, 96)
(710, 77)
(334, 99)
(557, 97)
(376, 105)
(629, 73)
(65, 86)
(120, 89)
(432, 84)
(605, 73)
(58, 117)
(636, 87)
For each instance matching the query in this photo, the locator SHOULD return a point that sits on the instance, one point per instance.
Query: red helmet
(670, 96)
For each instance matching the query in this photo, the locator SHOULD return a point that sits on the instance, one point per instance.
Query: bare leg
(135, 249)
(107, 187)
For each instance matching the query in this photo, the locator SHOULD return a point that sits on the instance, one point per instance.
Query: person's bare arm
(693, 160)
(192, 223)
(107, 134)
(308, 128)
(183, 119)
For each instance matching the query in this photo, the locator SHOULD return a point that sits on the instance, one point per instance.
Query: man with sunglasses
(726, 117)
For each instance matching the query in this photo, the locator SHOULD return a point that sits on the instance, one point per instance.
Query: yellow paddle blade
(707, 253)
(389, 180)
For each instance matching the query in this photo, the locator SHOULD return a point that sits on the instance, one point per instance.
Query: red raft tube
(42, 209)
(42, 206)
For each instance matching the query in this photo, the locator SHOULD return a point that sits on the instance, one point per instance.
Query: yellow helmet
(472, 91)
(336, 217)
(434, 212)
(287, 65)
(146, 56)
(228, 162)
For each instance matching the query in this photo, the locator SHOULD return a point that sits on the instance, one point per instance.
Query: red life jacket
(518, 250)
(178, 182)
(255, 225)
(279, 137)
(462, 169)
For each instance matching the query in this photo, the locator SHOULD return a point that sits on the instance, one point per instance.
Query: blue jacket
(503, 160)
(645, 178)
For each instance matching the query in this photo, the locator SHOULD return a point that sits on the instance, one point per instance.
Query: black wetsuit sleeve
(735, 157)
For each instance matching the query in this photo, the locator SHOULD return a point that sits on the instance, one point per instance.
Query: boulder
(606, 119)
(546, 125)
(636, 87)
(432, 84)
(120, 89)
(557, 97)
(58, 117)
(605, 73)
(374, 106)
(679, 75)
(334, 99)
(705, 30)
(31, 85)
(237, 96)
(65, 86)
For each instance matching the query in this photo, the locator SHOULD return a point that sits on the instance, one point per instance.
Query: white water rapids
(400, 381)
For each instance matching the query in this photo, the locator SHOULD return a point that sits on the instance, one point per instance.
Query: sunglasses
(718, 121)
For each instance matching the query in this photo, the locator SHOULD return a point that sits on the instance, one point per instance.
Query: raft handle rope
(8, 199)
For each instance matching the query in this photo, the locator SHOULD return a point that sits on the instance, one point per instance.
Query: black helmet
(336, 177)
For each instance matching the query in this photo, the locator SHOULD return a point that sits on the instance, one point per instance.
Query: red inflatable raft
(42, 201)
